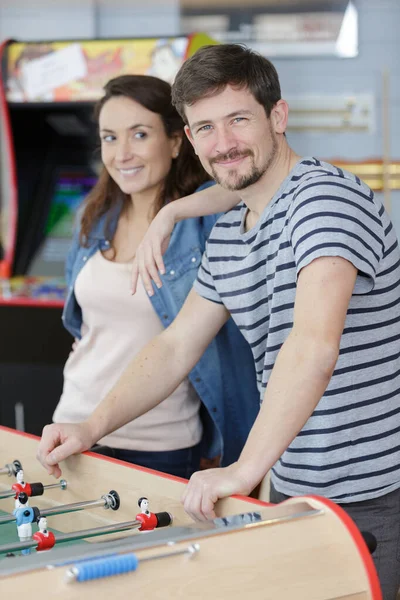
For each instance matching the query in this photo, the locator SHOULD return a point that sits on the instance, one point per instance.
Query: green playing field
(8, 535)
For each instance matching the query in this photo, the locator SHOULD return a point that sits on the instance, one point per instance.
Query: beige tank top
(116, 326)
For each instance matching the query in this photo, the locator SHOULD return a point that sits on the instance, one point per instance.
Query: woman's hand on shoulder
(148, 263)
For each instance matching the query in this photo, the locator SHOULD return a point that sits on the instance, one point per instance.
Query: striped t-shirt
(349, 449)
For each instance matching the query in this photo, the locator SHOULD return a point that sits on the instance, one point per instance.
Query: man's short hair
(212, 68)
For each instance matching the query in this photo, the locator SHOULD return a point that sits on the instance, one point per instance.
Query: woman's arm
(148, 261)
(214, 199)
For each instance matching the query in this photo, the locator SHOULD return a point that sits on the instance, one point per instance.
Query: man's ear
(190, 137)
(176, 143)
(279, 116)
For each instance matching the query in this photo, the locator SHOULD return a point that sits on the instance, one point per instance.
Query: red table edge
(131, 466)
(354, 532)
(359, 543)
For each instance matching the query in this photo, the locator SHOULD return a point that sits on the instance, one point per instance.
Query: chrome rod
(95, 531)
(72, 573)
(11, 468)
(16, 546)
(106, 501)
(7, 519)
(10, 493)
(74, 535)
(109, 500)
(192, 549)
(61, 484)
(67, 508)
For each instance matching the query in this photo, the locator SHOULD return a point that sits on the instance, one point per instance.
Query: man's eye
(204, 128)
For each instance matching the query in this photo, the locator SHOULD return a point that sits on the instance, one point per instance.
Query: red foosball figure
(44, 537)
(148, 519)
(21, 486)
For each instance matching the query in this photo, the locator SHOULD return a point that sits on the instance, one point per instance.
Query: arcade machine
(48, 163)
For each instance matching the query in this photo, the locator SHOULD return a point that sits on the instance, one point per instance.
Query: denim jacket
(224, 378)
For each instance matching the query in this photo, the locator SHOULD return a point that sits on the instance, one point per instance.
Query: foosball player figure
(23, 512)
(148, 519)
(44, 537)
(24, 516)
(21, 486)
(151, 520)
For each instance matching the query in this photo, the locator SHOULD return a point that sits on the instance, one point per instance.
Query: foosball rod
(38, 487)
(110, 500)
(117, 564)
(11, 468)
(164, 520)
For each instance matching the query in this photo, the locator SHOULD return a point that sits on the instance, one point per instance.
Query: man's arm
(301, 373)
(150, 378)
(148, 261)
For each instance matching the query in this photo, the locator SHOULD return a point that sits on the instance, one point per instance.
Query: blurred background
(339, 70)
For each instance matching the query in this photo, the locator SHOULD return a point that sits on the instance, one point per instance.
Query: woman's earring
(176, 154)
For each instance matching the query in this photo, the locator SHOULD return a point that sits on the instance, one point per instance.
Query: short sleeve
(337, 217)
(204, 283)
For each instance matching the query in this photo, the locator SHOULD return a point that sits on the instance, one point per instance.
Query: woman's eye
(139, 135)
(108, 138)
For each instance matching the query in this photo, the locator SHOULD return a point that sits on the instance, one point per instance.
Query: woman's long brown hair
(186, 173)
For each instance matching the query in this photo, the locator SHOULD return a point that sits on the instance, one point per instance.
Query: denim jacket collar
(98, 230)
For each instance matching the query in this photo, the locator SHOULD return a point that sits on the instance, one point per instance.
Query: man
(308, 265)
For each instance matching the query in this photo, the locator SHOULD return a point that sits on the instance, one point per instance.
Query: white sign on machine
(42, 75)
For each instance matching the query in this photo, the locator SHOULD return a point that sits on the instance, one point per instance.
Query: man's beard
(233, 183)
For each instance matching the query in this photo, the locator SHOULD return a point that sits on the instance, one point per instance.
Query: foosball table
(108, 529)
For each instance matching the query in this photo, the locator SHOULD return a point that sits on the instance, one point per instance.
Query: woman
(147, 163)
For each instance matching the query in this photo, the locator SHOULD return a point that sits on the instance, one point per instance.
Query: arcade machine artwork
(49, 143)
(48, 164)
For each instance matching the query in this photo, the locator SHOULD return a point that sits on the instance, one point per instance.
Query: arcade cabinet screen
(70, 189)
